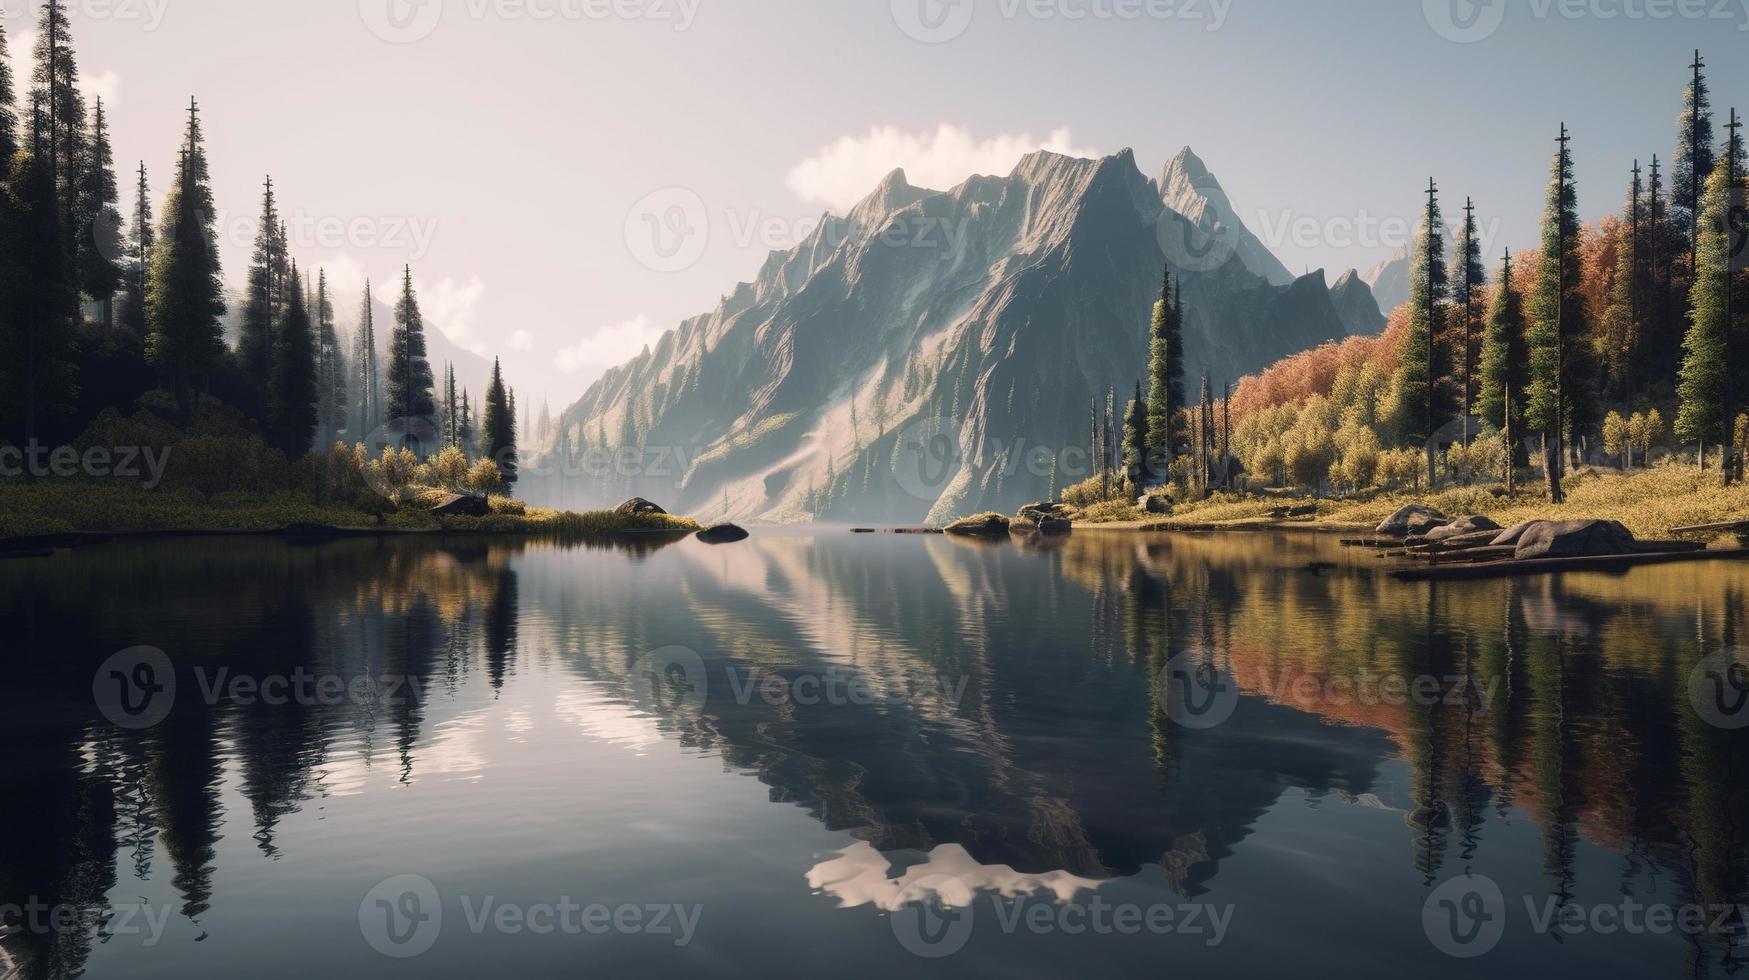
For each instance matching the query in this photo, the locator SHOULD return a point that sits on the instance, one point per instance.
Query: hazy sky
(535, 159)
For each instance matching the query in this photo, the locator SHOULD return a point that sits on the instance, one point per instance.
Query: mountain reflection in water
(988, 714)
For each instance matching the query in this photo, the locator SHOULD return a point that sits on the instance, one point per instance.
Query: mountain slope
(1355, 304)
(932, 354)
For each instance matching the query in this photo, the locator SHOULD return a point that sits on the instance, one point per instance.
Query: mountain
(1188, 188)
(1355, 304)
(1390, 280)
(933, 353)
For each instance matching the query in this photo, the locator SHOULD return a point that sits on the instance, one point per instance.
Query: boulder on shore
(1045, 518)
(1474, 524)
(723, 534)
(1413, 519)
(1573, 539)
(463, 505)
(637, 507)
(981, 526)
(1155, 503)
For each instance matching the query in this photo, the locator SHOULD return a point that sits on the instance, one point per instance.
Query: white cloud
(106, 85)
(522, 340)
(608, 347)
(450, 307)
(844, 172)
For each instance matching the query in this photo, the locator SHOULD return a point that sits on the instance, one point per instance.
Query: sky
(571, 178)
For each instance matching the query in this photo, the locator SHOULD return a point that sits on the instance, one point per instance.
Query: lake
(818, 753)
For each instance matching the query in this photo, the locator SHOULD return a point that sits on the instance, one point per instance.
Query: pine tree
(332, 403)
(38, 299)
(498, 428)
(99, 233)
(1136, 437)
(464, 430)
(261, 307)
(1694, 153)
(451, 408)
(1713, 349)
(1468, 277)
(8, 108)
(410, 384)
(185, 294)
(293, 392)
(140, 239)
(367, 377)
(56, 87)
(1418, 390)
(1165, 380)
(1622, 320)
(1505, 359)
(1560, 401)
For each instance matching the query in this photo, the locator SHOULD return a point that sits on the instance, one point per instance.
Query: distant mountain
(1355, 304)
(1390, 281)
(837, 385)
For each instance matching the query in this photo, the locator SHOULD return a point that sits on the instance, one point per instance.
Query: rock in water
(462, 505)
(982, 526)
(1574, 539)
(1413, 519)
(1474, 524)
(1044, 518)
(637, 507)
(723, 534)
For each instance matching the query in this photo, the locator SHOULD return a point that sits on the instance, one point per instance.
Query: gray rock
(637, 507)
(1413, 519)
(1574, 539)
(982, 526)
(1044, 518)
(462, 505)
(1156, 504)
(1473, 524)
(723, 534)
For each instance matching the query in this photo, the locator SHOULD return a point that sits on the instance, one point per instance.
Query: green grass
(60, 507)
(1649, 502)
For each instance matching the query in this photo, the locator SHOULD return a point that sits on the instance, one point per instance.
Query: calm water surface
(817, 753)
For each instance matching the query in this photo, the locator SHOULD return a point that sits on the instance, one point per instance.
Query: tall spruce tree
(409, 389)
(185, 291)
(1623, 317)
(1419, 399)
(1468, 277)
(292, 392)
(1561, 400)
(8, 107)
(367, 376)
(1165, 381)
(331, 400)
(56, 87)
(1505, 370)
(1694, 153)
(140, 239)
(262, 304)
(452, 408)
(38, 299)
(464, 429)
(99, 246)
(1713, 349)
(498, 428)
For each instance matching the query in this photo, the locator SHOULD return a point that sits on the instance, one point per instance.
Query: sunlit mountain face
(807, 736)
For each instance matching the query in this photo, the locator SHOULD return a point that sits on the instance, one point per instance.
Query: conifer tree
(99, 233)
(367, 378)
(56, 88)
(1136, 437)
(1418, 390)
(331, 401)
(1468, 277)
(293, 393)
(261, 307)
(1622, 319)
(140, 239)
(38, 299)
(1713, 349)
(185, 294)
(465, 427)
(498, 428)
(1560, 401)
(1694, 153)
(8, 107)
(1165, 380)
(409, 390)
(1505, 359)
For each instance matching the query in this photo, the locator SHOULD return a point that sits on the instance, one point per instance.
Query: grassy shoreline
(36, 512)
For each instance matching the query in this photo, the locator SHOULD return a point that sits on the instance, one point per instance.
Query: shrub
(449, 469)
(486, 477)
